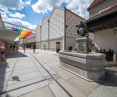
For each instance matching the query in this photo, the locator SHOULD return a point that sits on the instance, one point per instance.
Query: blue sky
(28, 13)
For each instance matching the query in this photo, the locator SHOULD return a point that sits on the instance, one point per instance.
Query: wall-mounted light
(114, 31)
(66, 26)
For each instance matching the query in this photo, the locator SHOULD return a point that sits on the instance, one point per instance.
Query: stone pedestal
(87, 66)
(82, 45)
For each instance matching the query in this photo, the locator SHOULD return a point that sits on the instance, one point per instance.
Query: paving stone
(65, 74)
(56, 68)
(24, 71)
(52, 72)
(82, 85)
(23, 67)
(24, 83)
(58, 91)
(71, 89)
(38, 65)
(4, 95)
(50, 81)
(3, 89)
(43, 92)
(53, 63)
(16, 79)
(27, 89)
(43, 72)
(105, 90)
(47, 67)
(5, 75)
(25, 63)
(3, 82)
(113, 78)
(56, 76)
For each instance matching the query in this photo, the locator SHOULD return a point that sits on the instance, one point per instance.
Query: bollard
(114, 57)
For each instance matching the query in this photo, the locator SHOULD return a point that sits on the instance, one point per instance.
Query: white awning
(8, 35)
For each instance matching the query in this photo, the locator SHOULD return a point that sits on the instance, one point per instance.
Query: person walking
(14, 48)
(11, 46)
(24, 48)
(17, 48)
(2, 53)
(34, 47)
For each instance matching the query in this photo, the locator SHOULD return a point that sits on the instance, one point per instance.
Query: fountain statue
(89, 66)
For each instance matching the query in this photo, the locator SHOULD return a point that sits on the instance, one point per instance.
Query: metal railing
(8, 25)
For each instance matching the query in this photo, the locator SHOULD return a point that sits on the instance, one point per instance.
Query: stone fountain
(89, 66)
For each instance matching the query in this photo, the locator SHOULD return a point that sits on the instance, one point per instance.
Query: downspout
(48, 36)
(65, 29)
(40, 37)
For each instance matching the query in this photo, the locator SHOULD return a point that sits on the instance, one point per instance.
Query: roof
(95, 3)
(104, 12)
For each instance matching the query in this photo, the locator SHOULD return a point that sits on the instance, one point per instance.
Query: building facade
(103, 20)
(29, 41)
(58, 31)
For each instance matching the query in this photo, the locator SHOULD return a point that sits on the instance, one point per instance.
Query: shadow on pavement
(6, 70)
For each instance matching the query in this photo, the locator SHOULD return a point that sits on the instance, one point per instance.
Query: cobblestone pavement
(39, 75)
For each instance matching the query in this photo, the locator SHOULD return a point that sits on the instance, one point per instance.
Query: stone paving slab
(24, 71)
(105, 90)
(43, 92)
(24, 63)
(24, 83)
(5, 75)
(56, 68)
(43, 72)
(16, 79)
(3, 89)
(82, 85)
(71, 89)
(23, 67)
(58, 91)
(113, 78)
(27, 89)
(3, 82)
(65, 74)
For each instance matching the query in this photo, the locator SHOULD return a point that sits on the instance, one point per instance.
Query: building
(29, 41)
(7, 35)
(103, 20)
(58, 32)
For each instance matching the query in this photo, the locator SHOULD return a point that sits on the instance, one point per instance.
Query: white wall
(106, 39)
(44, 29)
(101, 7)
(71, 31)
(38, 32)
(56, 23)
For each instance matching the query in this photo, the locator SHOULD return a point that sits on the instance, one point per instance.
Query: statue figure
(82, 29)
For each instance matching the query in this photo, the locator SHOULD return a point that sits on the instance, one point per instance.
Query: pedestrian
(34, 47)
(2, 53)
(14, 48)
(17, 48)
(24, 48)
(11, 46)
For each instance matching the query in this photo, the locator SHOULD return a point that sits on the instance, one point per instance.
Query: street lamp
(114, 31)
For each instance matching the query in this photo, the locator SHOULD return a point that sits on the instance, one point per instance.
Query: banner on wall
(23, 33)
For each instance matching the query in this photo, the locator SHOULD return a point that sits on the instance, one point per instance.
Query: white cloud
(17, 15)
(42, 6)
(27, 2)
(17, 21)
(77, 6)
(12, 4)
